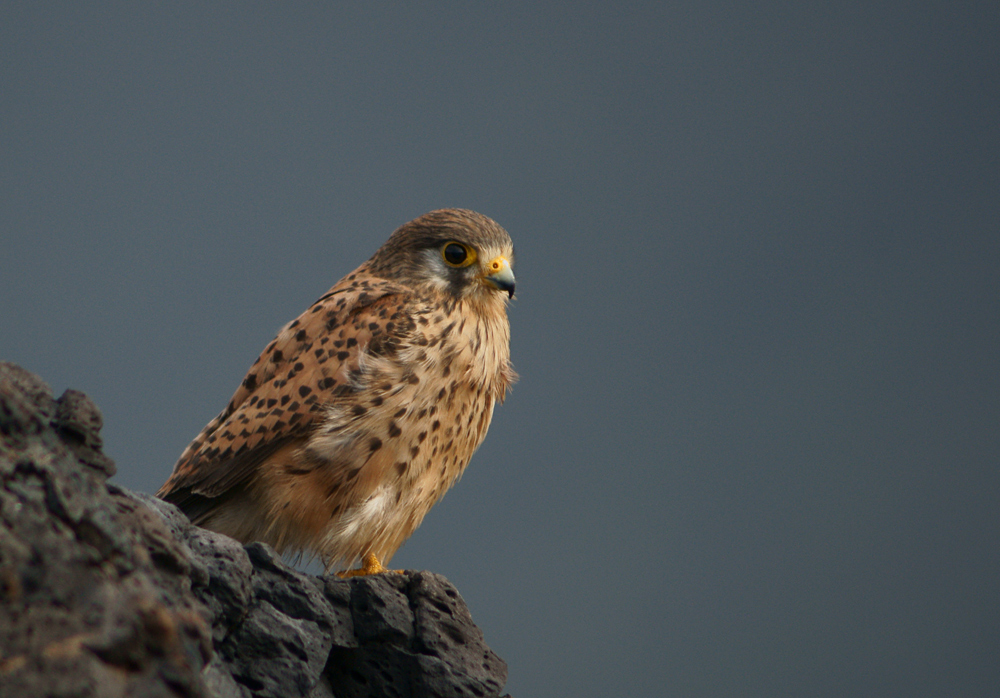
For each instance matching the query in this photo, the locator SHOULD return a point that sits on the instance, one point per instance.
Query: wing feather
(282, 399)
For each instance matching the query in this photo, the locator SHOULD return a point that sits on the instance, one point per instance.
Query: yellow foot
(369, 565)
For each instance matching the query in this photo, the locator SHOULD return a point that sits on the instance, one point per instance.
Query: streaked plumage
(365, 409)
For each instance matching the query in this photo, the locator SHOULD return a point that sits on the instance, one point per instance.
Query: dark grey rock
(105, 592)
(276, 655)
(85, 609)
(446, 634)
(381, 609)
(79, 423)
(220, 682)
(221, 571)
(298, 595)
(415, 638)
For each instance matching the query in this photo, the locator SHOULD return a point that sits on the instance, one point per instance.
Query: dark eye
(456, 254)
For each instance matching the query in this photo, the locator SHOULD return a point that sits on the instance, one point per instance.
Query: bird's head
(455, 251)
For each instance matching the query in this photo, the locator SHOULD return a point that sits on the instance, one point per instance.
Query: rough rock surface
(104, 592)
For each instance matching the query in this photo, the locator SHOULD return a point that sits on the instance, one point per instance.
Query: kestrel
(364, 410)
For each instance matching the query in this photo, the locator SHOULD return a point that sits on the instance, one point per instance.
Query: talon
(369, 565)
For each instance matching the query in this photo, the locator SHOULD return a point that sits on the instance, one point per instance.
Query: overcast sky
(755, 449)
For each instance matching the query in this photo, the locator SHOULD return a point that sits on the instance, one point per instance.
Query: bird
(365, 409)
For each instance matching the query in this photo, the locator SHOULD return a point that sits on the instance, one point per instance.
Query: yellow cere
(496, 265)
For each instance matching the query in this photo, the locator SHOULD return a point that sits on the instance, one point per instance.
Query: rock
(94, 597)
(105, 592)
(415, 637)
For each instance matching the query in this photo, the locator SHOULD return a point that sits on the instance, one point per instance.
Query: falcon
(364, 410)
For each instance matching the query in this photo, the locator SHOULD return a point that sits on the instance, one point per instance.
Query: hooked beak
(500, 276)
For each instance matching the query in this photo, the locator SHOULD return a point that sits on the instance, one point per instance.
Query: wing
(281, 400)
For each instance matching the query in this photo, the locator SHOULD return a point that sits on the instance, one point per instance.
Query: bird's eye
(458, 255)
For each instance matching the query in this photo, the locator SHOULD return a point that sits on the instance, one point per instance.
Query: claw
(369, 565)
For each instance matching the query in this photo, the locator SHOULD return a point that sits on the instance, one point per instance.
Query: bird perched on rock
(366, 408)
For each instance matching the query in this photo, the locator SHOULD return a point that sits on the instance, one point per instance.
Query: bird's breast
(416, 417)
(389, 450)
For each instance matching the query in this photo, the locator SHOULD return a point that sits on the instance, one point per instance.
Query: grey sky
(755, 449)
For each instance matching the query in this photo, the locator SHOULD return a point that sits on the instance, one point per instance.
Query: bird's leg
(369, 565)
